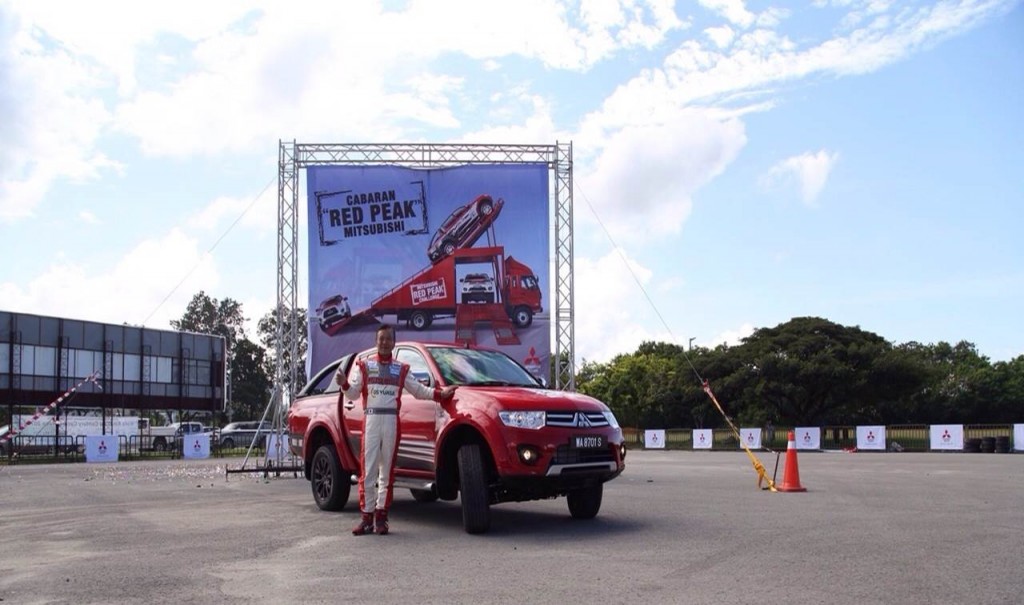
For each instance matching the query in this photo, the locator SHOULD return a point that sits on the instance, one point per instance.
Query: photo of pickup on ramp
(676, 527)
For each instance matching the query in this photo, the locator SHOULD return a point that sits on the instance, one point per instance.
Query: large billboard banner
(445, 255)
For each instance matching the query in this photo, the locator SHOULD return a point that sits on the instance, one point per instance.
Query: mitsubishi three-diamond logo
(582, 420)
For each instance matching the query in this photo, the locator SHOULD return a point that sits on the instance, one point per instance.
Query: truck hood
(521, 398)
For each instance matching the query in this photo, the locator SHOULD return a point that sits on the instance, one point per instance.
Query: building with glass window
(138, 368)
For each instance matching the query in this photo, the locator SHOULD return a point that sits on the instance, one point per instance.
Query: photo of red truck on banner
(379, 255)
(433, 294)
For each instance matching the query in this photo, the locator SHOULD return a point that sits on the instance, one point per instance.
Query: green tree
(810, 370)
(1007, 391)
(251, 385)
(958, 387)
(267, 331)
(208, 315)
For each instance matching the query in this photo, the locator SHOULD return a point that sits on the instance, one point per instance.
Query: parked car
(463, 227)
(237, 434)
(477, 287)
(333, 310)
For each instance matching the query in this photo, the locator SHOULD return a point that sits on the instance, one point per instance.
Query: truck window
(417, 365)
(326, 382)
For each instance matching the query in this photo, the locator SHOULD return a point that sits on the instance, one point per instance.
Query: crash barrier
(980, 438)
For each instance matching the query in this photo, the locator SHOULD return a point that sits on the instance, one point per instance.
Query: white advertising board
(101, 448)
(947, 436)
(702, 439)
(1018, 437)
(277, 446)
(871, 438)
(654, 439)
(808, 437)
(195, 445)
(751, 437)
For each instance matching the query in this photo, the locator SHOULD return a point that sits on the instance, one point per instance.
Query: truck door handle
(349, 405)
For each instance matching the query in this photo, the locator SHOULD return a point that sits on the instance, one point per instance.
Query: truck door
(350, 410)
(419, 418)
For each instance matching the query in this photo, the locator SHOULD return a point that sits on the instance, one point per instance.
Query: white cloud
(225, 213)
(721, 36)
(137, 289)
(50, 125)
(735, 11)
(732, 337)
(88, 217)
(607, 301)
(194, 78)
(641, 185)
(809, 170)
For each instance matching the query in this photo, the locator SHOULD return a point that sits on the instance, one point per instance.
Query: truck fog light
(528, 454)
(622, 451)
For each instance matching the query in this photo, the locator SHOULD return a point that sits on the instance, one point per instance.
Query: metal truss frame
(294, 157)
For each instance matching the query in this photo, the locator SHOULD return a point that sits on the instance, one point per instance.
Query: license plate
(588, 442)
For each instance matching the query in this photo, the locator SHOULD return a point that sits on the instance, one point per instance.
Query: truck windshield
(480, 368)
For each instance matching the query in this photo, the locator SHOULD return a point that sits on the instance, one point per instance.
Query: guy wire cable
(705, 385)
(210, 250)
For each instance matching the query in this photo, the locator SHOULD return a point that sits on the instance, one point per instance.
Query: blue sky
(737, 163)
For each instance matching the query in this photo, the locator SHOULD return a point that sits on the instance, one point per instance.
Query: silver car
(241, 434)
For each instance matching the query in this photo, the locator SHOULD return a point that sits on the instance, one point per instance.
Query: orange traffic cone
(791, 474)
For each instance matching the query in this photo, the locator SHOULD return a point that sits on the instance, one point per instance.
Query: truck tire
(424, 495)
(584, 503)
(160, 444)
(448, 248)
(522, 317)
(228, 443)
(330, 485)
(420, 320)
(485, 208)
(476, 511)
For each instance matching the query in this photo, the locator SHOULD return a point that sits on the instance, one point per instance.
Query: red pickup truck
(504, 437)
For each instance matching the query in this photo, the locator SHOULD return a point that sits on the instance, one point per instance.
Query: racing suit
(379, 382)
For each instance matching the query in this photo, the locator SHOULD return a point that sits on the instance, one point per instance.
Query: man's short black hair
(383, 327)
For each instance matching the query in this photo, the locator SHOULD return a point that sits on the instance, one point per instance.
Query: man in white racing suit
(379, 380)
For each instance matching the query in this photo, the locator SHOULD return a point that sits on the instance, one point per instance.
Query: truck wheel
(228, 443)
(424, 495)
(485, 208)
(160, 444)
(584, 503)
(522, 317)
(330, 486)
(420, 320)
(448, 248)
(476, 512)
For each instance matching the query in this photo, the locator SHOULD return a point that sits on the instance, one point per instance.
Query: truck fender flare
(320, 423)
(465, 429)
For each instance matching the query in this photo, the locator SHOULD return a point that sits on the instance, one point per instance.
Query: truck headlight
(522, 420)
(610, 417)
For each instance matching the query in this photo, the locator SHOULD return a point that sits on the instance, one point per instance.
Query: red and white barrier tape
(91, 378)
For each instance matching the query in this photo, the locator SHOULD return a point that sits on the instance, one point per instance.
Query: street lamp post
(692, 338)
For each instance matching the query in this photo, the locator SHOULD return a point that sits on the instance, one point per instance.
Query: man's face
(385, 342)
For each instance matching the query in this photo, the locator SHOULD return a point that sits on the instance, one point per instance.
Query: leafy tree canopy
(208, 315)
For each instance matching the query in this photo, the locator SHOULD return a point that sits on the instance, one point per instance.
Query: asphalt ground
(676, 527)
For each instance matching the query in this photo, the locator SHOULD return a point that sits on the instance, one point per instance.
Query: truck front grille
(581, 420)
